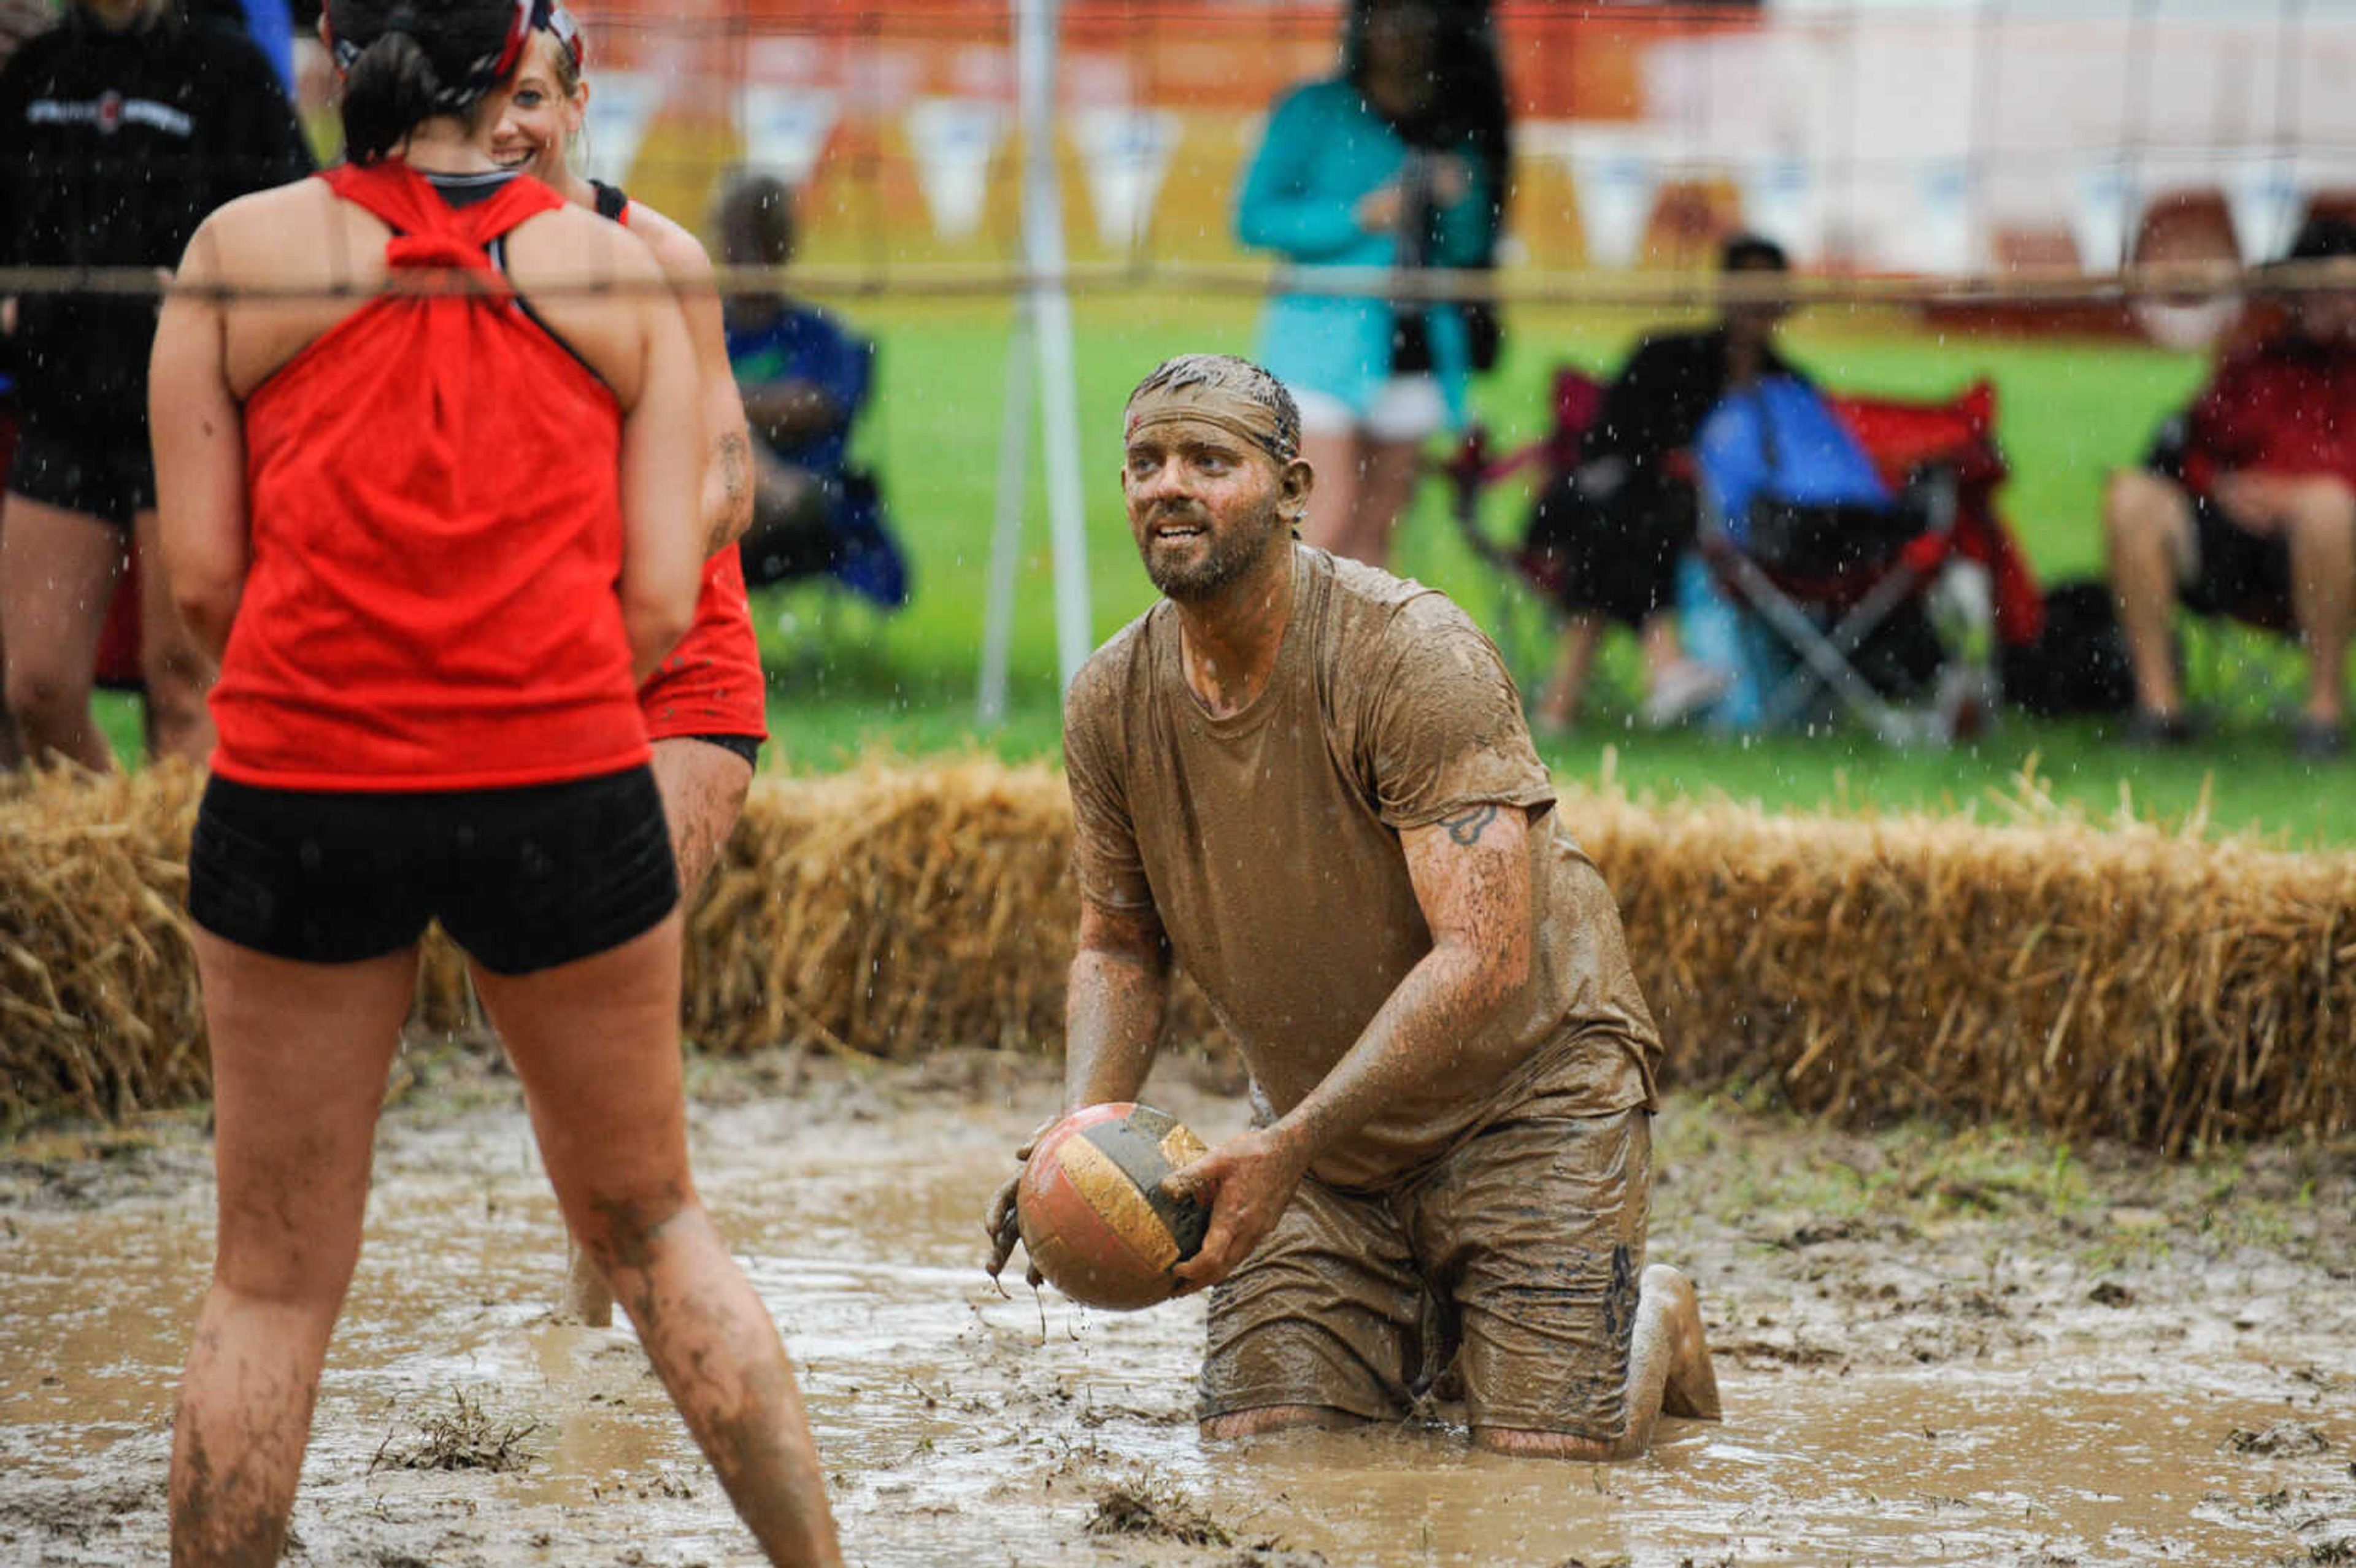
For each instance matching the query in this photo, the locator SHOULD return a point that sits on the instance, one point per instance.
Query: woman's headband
(483, 73)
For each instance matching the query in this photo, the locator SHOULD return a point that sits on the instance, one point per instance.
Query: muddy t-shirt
(1268, 844)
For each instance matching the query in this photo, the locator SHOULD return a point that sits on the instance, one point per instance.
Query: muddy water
(1873, 1414)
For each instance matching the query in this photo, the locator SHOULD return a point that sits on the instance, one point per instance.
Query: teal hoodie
(1324, 149)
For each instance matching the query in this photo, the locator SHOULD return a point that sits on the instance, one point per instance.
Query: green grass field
(848, 684)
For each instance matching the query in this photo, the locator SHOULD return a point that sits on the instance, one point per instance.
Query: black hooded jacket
(113, 147)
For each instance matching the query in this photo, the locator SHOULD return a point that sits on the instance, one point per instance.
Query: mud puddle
(1933, 1348)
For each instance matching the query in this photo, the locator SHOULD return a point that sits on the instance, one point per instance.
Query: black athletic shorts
(522, 879)
(107, 472)
(2235, 573)
(745, 746)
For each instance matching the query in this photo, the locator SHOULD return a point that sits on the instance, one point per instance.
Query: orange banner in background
(899, 123)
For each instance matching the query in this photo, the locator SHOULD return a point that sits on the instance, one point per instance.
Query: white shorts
(1407, 407)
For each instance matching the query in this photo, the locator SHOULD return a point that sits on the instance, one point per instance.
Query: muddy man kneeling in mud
(1309, 782)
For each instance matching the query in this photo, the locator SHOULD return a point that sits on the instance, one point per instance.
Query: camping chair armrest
(1934, 490)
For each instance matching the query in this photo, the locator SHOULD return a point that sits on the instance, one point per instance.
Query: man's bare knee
(1278, 1418)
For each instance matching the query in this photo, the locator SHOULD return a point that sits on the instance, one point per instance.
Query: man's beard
(1226, 556)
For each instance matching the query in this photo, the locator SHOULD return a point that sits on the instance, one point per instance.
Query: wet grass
(1751, 1164)
(463, 1438)
(1156, 1508)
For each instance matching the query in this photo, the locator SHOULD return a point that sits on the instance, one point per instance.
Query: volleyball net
(2028, 152)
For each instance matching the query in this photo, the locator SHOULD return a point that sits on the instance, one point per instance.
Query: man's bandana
(1214, 405)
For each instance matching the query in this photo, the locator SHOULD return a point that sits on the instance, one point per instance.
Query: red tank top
(435, 522)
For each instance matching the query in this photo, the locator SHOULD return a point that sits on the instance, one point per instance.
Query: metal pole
(1037, 23)
(1006, 528)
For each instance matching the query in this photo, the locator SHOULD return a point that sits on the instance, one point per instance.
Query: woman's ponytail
(389, 89)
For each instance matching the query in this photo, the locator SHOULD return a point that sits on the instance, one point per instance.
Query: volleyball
(1094, 1217)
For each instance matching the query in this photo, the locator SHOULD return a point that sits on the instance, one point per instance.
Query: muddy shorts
(1526, 1244)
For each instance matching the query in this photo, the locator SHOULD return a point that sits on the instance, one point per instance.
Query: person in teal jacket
(1399, 161)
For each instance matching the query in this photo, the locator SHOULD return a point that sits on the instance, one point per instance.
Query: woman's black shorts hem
(101, 472)
(524, 880)
(745, 746)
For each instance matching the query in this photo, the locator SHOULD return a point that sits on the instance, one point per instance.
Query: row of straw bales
(2119, 980)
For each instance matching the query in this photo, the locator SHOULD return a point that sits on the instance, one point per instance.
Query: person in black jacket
(121, 129)
(19, 21)
(1611, 530)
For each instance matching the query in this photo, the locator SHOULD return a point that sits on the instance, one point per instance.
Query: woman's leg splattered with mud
(1669, 1373)
(597, 1045)
(299, 1055)
(704, 788)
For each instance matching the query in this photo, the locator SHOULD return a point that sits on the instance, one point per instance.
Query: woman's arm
(727, 505)
(1277, 209)
(198, 432)
(662, 468)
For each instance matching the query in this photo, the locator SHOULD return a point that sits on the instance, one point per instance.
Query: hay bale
(99, 1007)
(2121, 981)
(2116, 980)
(890, 911)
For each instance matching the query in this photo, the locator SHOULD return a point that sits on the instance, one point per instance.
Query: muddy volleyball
(1094, 1217)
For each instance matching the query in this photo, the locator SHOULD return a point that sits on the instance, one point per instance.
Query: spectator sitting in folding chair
(2247, 509)
(805, 378)
(1607, 533)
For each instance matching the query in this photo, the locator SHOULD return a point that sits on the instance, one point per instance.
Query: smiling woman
(706, 706)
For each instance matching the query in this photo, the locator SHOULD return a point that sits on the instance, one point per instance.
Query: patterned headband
(481, 74)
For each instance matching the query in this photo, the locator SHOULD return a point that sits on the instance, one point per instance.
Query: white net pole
(1006, 528)
(1037, 27)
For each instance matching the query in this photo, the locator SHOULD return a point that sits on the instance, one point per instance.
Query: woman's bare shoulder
(678, 251)
(569, 244)
(287, 231)
(264, 212)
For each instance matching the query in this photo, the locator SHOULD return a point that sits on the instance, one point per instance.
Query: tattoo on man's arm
(1467, 826)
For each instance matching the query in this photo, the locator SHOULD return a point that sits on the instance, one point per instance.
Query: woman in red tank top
(430, 648)
(706, 705)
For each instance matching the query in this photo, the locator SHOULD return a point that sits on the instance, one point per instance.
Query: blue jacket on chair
(1324, 149)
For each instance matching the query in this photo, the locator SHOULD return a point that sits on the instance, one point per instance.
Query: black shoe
(2319, 740)
(2154, 732)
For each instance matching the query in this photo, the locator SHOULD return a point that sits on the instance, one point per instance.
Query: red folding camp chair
(1841, 578)
(1941, 455)
(1472, 468)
